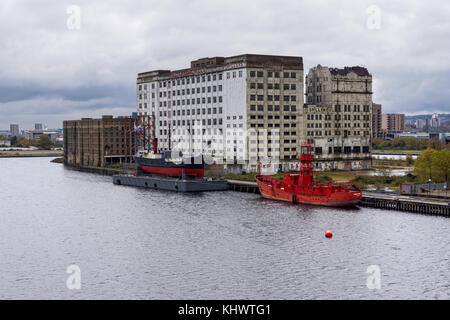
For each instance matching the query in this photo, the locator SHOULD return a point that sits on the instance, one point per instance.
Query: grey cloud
(49, 73)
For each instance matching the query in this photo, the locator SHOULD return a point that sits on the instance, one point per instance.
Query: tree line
(408, 143)
(433, 165)
(44, 142)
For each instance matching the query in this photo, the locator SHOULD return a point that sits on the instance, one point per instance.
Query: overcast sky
(51, 70)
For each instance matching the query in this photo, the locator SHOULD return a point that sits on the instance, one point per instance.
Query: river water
(392, 156)
(132, 243)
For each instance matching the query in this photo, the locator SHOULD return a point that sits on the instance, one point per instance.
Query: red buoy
(328, 234)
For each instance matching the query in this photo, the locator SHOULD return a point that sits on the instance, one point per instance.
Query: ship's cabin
(149, 154)
(298, 179)
(291, 179)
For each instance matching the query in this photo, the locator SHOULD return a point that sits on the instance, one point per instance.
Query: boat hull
(273, 189)
(173, 171)
(191, 166)
(171, 184)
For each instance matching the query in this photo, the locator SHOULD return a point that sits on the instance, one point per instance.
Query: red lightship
(302, 188)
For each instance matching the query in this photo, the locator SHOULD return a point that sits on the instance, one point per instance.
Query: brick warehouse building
(260, 93)
(97, 142)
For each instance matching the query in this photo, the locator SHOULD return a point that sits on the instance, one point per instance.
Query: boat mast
(170, 137)
(190, 138)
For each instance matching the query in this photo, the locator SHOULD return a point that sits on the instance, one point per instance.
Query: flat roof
(214, 64)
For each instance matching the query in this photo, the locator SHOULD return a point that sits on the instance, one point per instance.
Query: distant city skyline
(28, 128)
(58, 64)
(44, 126)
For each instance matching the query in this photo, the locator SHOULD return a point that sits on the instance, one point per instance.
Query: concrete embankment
(30, 153)
(58, 160)
(97, 170)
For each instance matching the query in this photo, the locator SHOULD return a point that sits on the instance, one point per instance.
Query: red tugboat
(301, 187)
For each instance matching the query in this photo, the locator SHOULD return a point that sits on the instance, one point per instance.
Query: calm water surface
(139, 244)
